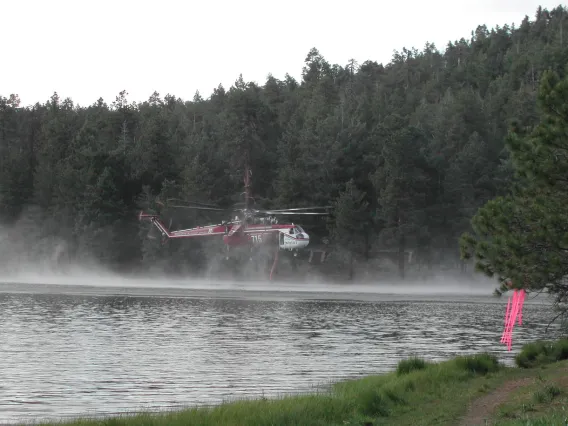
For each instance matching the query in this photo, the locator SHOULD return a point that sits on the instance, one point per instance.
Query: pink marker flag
(513, 313)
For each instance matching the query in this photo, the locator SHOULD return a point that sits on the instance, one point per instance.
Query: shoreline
(444, 392)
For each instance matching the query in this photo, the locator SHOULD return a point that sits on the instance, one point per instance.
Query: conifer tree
(524, 236)
(350, 225)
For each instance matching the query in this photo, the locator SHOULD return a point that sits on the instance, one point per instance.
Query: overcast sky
(87, 49)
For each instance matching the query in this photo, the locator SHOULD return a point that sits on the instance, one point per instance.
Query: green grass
(418, 392)
(543, 401)
(542, 352)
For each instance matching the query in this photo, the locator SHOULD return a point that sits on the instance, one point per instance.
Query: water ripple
(73, 354)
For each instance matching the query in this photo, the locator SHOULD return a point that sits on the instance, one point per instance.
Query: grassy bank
(464, 390)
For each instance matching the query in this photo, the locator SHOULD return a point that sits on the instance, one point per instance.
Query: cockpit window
(299, 229)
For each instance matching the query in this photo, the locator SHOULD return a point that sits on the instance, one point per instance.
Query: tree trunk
(401, 244)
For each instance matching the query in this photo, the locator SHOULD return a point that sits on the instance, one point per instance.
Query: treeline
(407, 152)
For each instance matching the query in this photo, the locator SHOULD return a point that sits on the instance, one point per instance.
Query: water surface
(73, 350)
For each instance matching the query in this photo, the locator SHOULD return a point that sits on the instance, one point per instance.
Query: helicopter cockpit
(297, 231)
(293, 238)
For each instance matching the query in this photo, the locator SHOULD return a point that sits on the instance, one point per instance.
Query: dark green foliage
(374, 403)
(351, 222)
(541, 353)
(523, 236)
(478, 364)
(533, 354)
(408, 151)
(407, 365)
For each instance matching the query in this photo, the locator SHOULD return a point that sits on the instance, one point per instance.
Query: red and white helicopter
(251, 227)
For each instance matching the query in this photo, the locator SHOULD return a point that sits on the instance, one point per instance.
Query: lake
(69, 350)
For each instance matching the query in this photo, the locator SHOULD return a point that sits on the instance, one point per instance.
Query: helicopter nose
(304, 239)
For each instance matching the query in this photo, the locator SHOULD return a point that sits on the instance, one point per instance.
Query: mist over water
(28, 255)
(98, 284)
(97, 277)
(105, 344)
(79, 340)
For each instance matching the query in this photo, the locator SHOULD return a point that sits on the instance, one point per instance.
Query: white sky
(87, 49)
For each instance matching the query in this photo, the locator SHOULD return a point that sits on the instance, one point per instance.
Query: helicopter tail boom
(200, 231)
(156, 222)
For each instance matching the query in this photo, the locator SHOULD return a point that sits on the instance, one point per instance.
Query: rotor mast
(247, 181)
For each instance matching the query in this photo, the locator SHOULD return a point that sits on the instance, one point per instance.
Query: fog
(91, 280)
(29, 257)
(89, 276)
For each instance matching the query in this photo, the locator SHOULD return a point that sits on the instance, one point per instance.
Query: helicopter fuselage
(288, 236)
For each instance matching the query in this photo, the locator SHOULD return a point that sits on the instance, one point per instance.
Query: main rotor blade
(301, 208)
(278, 213)
(197, 208)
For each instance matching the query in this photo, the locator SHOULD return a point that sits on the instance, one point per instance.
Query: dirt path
(481, 409)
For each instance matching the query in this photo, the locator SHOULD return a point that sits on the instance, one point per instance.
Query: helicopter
(249, 228)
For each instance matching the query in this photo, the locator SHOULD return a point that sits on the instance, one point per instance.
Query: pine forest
(406, 153)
